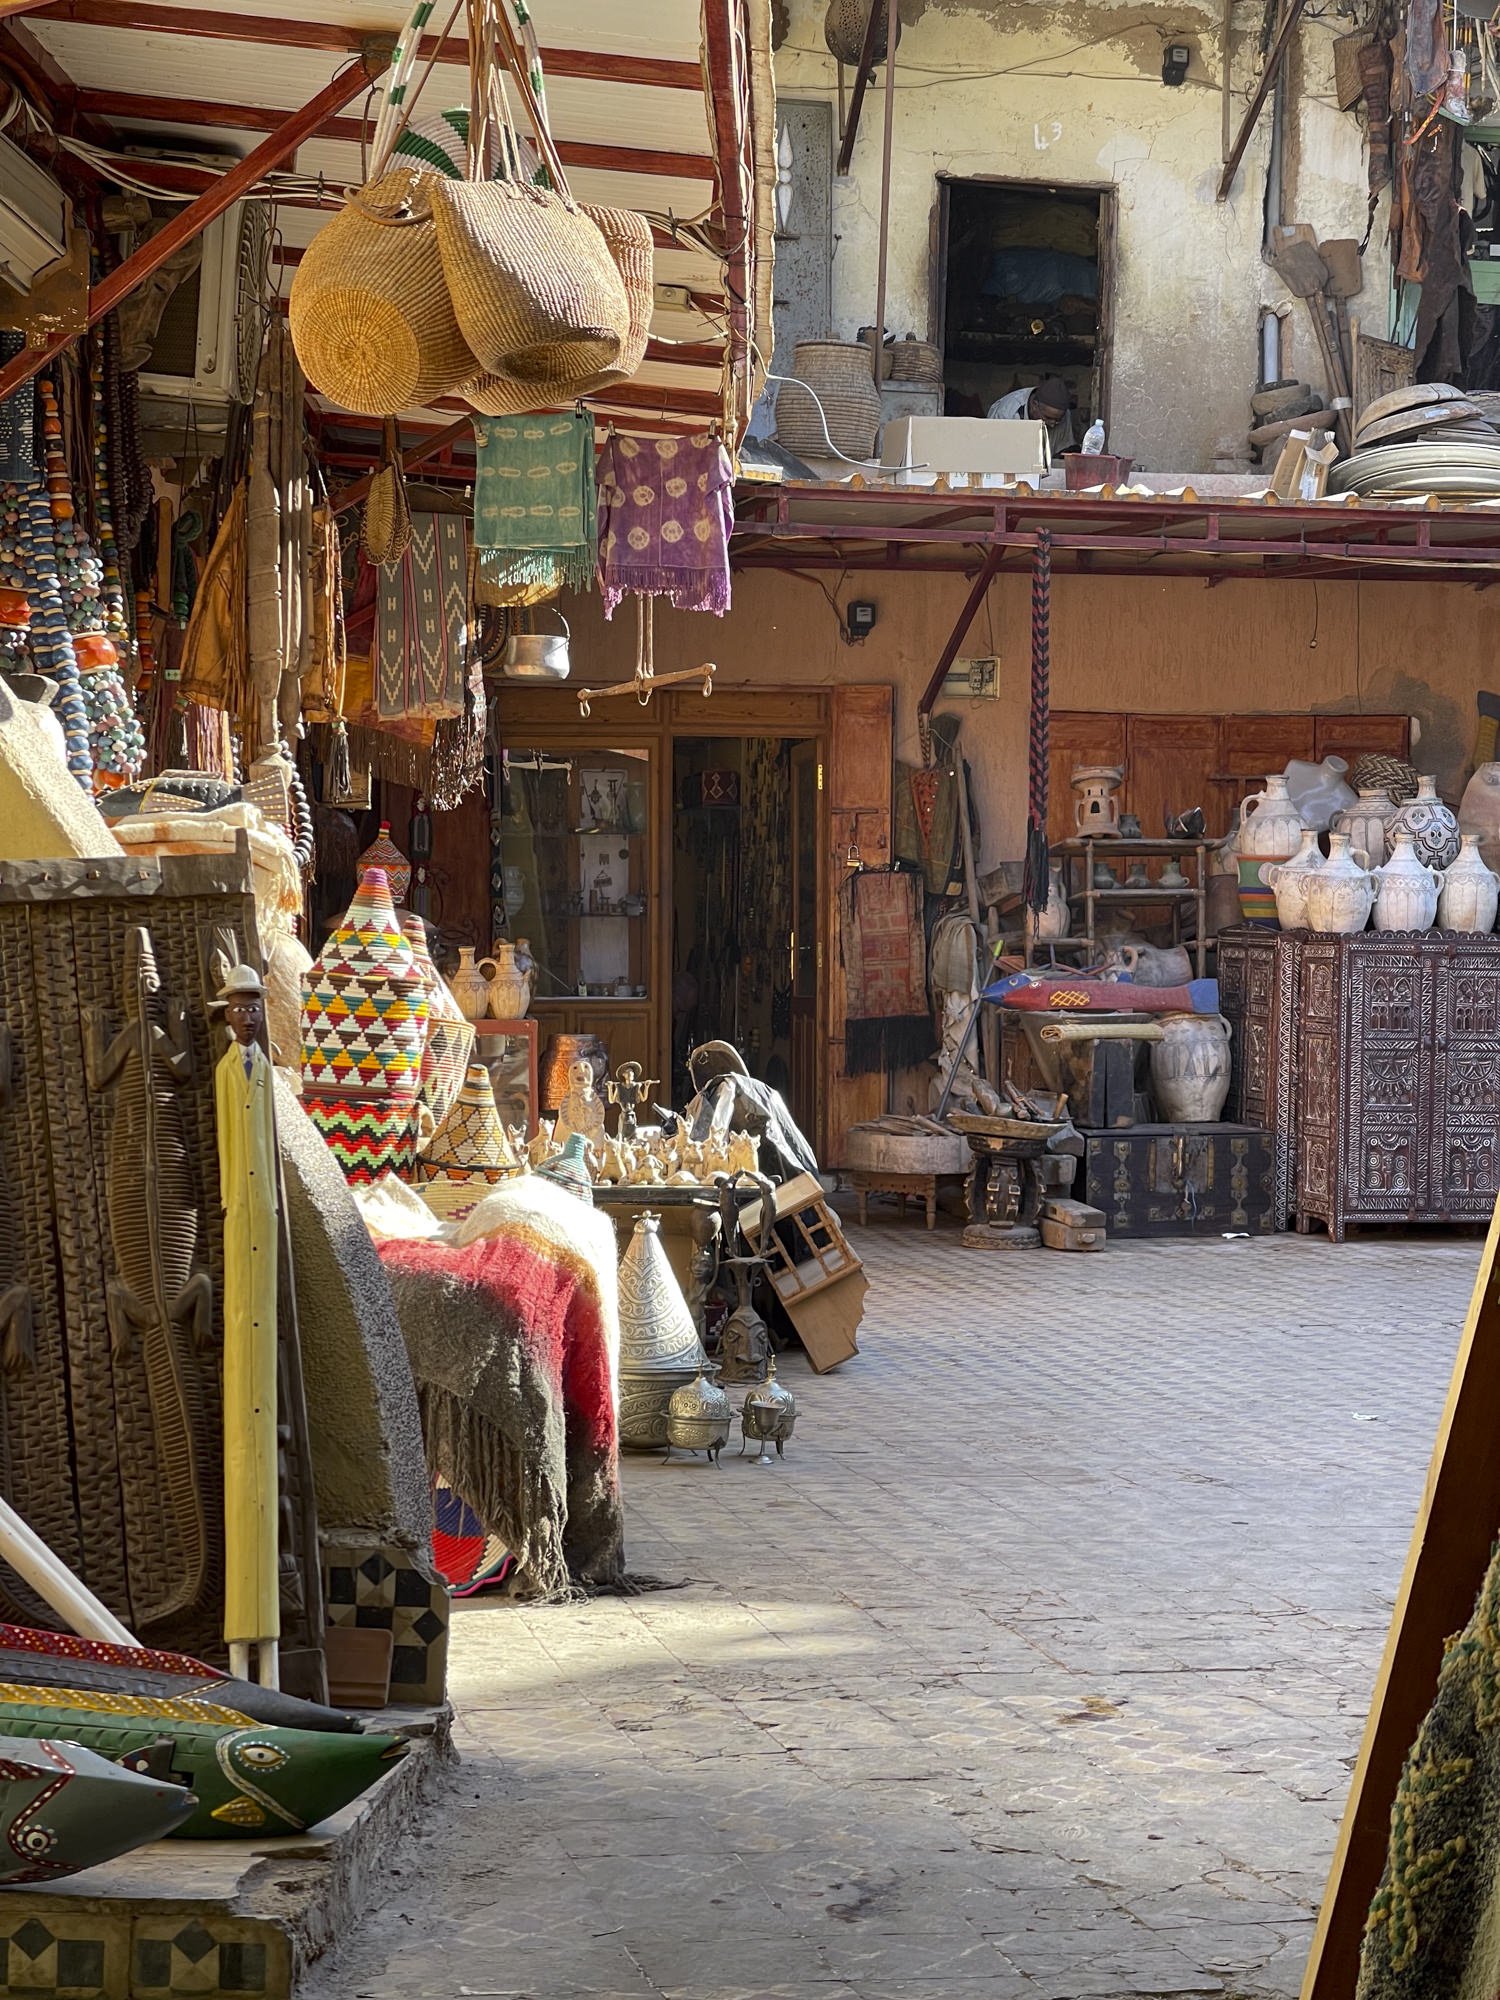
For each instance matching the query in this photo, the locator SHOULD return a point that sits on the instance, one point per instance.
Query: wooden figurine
(248, 1171)
(581, 1110)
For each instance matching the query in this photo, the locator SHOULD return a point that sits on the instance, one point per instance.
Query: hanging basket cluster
(481, 277)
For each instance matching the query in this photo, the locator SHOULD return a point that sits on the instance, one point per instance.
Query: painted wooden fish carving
(249, 1779)
(161, 1296)
(64, 1808)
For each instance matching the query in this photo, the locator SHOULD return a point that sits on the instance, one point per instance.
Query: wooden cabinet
(1257, 993)
(1398, 1078)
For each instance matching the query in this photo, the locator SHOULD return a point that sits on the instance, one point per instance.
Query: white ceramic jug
(1319, 790)
(1479, 811)
(1470, 893)
(1432, 826)
(1289, 882)
(1407, 897)
(1340, 893)
(1190, 1068)
(1367, 822)
(1271, 828)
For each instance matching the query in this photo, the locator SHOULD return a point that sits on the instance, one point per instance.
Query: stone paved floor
(1036, 1671)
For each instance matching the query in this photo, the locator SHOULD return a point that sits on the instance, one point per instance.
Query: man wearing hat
(1049, 403)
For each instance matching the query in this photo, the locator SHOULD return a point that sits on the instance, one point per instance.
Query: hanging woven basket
(370, 312)
(533, 285)
(628, 239)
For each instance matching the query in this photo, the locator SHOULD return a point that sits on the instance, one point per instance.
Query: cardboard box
(971, 451)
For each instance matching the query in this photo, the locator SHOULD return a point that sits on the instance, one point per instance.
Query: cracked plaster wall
(1002, 87)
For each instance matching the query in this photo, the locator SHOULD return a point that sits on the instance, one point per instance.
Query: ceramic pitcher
(508, 989)
(1479, 811)
(1055, 919)
(1271, 828)
(1431, 825)
(1367, 822)
(1289, 881)
(1407, 897)
(1319, 791)
(1190, 1068)
(1470, 893)
(470, 985)
(1340, 894)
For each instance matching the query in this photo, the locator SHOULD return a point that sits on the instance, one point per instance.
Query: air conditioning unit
(207, 346)
(33, 218)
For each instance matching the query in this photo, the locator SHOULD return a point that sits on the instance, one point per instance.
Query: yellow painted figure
(244, 1105)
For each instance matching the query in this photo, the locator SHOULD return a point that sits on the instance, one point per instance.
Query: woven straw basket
(840, 372)
(913, 361)
(628, 239)
(535, 290)
(370, 314)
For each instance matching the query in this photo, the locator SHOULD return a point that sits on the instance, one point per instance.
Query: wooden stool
(923, 1187)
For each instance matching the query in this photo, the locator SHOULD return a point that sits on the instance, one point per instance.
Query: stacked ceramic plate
(1429, 438)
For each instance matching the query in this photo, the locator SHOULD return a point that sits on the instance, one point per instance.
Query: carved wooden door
(1465, 1159)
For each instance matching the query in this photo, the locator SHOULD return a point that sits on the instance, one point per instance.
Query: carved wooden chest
(1181, 1180)
(1257, 995)
(1397, 1078)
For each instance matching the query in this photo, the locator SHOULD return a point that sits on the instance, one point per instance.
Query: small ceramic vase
(471, 984)
(1056, 919)
(1105, 876)
(383, 852)
(1337, 897)
(1432, 827)
(1479, 811)
(1271, 826)
(1367, 822)
(1288, 882)
(508, 990)
(1407, 897)
(1096, 809)
(1137, 876)
(1470, 893)
(1190, 1068)
(1171, 877)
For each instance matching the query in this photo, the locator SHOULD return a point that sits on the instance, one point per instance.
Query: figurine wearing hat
(245, 1109)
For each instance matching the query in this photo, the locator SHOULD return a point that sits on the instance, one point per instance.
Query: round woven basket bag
(371, 318)
(844, 29)
(628, 239)
(532, 282)
(840, 372)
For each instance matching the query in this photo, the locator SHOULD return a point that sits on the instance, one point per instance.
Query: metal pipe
(892, 28)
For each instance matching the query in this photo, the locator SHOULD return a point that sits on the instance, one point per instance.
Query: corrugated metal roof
(629, 103)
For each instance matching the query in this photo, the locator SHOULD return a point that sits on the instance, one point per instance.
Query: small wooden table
(866, 1181)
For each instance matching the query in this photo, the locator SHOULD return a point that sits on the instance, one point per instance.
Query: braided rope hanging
(1040, 726)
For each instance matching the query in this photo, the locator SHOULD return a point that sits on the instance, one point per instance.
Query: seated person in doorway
(1049, 403)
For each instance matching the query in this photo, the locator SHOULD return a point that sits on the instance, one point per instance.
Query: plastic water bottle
(1093, 439)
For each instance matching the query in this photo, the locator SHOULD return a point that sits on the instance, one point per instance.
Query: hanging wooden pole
(892, 27)
(1262, 91)
(210, 205)
(850, 130)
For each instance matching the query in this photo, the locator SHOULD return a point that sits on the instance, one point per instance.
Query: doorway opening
(1023, 294)
(745, 909)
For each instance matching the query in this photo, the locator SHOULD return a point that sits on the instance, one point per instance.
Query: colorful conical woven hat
(657, 1334)
(472, 1139)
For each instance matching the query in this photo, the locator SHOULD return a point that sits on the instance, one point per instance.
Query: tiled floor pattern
(1037, 1670)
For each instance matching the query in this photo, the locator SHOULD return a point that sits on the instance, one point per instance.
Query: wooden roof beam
(190, 111)
(209, 206)
(281, 31)
(727, 85)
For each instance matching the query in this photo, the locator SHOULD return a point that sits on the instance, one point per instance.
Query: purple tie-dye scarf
(666, 508)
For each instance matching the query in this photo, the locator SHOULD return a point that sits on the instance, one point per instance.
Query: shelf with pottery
(1085, 855)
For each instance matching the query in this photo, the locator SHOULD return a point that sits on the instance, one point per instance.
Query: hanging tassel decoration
(1038, 858)
(51, 641)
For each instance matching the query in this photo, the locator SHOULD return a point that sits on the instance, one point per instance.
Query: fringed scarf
(534, 507)
(888, 1025)
(666, 509)
(422, 623)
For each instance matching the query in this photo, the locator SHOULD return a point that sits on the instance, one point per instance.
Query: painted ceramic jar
(508, 990)
(1190, 1068)
(1433, 828)
(1288, 882)
(364, 1005)
(1407, 896)
(450, 1037)
(383, 853)
(1257, 899)
(1367, 823)
(1479, 811)
(1271, 827)
(1470, 893)
(1055, 920)
(471, 985)
(1341, 892)
(659, 1346)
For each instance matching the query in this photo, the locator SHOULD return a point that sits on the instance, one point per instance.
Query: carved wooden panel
(1258, 973)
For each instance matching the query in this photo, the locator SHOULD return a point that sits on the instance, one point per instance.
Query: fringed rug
(513, 1334)
(888, 1023)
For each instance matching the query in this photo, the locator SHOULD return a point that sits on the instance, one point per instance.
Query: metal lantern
(768, 1417)
(698, 1418)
